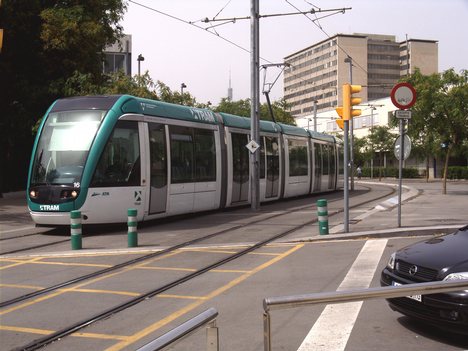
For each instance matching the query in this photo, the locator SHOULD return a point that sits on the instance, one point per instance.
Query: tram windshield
(64, 145)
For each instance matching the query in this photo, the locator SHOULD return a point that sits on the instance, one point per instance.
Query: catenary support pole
(254, 107)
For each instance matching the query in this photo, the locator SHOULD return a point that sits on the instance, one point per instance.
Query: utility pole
(254, 104)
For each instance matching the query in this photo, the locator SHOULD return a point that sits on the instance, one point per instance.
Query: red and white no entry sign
(403, 95)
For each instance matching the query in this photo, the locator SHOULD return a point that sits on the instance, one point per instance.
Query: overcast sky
(176, 52)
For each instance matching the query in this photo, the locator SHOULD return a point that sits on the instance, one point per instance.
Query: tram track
(41, 342)
(172, 249)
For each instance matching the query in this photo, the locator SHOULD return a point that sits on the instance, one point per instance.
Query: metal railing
(286, 302)
(207, 318)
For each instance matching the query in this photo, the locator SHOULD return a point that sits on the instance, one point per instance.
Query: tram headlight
(33, 194)
(69, 194)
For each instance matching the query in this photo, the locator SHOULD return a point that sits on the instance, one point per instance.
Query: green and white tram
(104, 154)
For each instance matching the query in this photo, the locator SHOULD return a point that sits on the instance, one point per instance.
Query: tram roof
(293, 130)
(321, 136)
(244, 123)
(168, 110)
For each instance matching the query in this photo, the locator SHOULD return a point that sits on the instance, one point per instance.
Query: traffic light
(349, 101)
(340, 122)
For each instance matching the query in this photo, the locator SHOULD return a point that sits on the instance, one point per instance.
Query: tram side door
(240, 168)
(272, 167)
(317, 167)
(158, 168)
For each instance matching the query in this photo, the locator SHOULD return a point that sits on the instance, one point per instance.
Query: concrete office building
(118, 57)
(317, 73)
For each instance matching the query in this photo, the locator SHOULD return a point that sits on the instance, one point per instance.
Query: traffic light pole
(346, 177)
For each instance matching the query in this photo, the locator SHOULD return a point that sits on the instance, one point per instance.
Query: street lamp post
(182, 86)
(139, 59)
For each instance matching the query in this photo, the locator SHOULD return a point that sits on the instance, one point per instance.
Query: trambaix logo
(49, 207)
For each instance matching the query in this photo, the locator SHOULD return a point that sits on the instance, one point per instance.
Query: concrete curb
(384, 233)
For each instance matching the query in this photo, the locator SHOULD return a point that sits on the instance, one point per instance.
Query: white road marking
(333, 328)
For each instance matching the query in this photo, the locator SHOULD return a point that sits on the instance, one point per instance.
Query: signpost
(407, 149)
(403, 96)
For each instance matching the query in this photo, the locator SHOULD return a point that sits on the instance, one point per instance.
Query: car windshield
(64, 145)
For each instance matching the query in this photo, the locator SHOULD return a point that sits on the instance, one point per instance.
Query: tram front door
(158, 168)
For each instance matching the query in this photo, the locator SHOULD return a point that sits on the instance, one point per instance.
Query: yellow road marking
(21, 263)
(32, 287)
(181, 297)
(228, 271)
(209, 250)
(60, 292)
(168, 269)
(73, 264)
(150, 329)
(96, 291)
(48, 332)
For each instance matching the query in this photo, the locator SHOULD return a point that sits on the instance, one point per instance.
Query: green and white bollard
(132, 227)
(322, 213)
(75, 230)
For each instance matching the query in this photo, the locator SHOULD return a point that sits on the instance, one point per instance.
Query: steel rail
(41, 342)
(168, 250)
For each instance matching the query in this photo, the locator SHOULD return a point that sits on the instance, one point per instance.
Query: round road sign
(407, 147)
(403, 95)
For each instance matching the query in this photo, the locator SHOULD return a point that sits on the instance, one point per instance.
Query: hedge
(454, 172)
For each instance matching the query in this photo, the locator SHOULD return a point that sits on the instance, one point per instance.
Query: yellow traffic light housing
(349, 101)
(340, 122)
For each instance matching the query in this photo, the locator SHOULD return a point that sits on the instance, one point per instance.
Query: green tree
(440, 115)
(238, 108)
(381, 141)
(242, 108)
(45, 42)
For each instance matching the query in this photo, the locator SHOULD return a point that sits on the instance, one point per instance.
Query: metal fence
(287, 302)
(207, 318)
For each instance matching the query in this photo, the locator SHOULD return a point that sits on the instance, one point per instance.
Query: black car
(440, 258)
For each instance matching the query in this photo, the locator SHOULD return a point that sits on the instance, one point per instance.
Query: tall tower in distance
(229, 94)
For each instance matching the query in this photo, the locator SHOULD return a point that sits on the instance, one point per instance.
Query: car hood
(446, 254)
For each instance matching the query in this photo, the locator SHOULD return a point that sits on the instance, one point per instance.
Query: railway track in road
(28, 236)
(168, 250)
(41, 342)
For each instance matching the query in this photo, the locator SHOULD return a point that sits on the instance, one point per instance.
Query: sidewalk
(424, 210)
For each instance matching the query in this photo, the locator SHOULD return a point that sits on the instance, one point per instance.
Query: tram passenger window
(193, 155)
(181, 154)
(298, 165)
(119, 164)
(205, 155)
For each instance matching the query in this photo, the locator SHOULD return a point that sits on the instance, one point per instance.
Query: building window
(114, 62)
